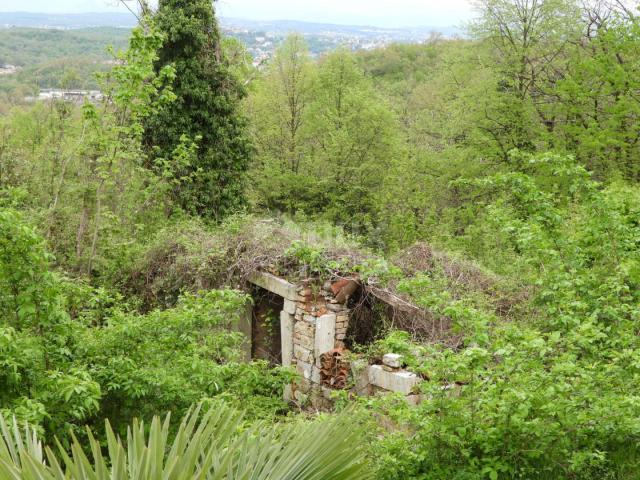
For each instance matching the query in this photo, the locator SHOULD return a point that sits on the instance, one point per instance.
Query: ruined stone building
(313, 324)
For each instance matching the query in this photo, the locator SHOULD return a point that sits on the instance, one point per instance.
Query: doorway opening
(265, 326)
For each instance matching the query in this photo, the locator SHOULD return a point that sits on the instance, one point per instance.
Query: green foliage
(205, 111)
(129, 357)
(309, 256)
(549, 396)
(39, 382)
(61, 371)
(321, 133)
(28, 298)
(598, 96)
(79, 172)
(207, 445)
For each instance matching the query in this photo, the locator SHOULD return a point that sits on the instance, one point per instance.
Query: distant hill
(126, 20)
(27, 47)
(66, 21)
(46, 51)
(48, 58)
(310, 28)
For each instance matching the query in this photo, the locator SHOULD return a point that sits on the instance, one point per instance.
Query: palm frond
(207, 446)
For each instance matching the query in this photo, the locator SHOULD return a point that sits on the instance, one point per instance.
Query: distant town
(262, 38)
(7, 69)
(73, 96)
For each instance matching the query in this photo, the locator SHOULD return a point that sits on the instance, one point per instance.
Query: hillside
(419, 260)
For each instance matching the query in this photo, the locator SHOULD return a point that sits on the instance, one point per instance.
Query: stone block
(245, 327)
(348, 290)
(309, 318)
(315, 375)
(336, 307)
(303, 341)
(392, 360)
(318, 400)
(275, 285)
(304, 328)
(359, 376)
(305, 369)
(401, 382)
(327, 393)
(286, 336)
(290, 307)
(303, 354)
(325, 334)
(303, 385)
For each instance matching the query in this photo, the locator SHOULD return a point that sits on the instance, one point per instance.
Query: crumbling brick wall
(314, 322)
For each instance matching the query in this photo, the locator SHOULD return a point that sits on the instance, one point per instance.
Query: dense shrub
(550, 394)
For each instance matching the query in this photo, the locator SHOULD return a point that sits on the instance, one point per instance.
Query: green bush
(550, 394)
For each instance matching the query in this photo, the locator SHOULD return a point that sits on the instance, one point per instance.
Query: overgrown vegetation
(492, 182)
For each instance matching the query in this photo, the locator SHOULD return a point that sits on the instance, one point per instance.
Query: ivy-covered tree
(210, 182)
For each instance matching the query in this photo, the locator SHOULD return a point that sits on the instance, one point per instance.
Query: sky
(385, 13)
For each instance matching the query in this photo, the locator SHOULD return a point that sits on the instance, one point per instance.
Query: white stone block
(275, 285)
(392, 360)
(290, 307)
(286, 337)
(360, 377)
(305, 369)
(401, 382)
(315, 374)
(325, 334)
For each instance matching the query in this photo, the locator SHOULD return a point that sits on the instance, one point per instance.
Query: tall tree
(528, 42)
(599, 93)
(206, 111)
(278, 110)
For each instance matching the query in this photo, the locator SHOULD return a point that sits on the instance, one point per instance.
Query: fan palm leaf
(208, 445)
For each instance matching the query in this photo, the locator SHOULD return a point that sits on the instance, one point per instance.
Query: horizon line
(309, 22)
